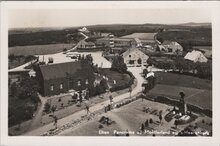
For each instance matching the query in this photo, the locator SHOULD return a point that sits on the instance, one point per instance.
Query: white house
(84, 44)
(196, 56)
(170, 47)
(135, 57)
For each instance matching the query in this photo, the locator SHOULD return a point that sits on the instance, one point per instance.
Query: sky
(22, 18)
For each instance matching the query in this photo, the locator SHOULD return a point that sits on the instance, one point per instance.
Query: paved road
(136, 72)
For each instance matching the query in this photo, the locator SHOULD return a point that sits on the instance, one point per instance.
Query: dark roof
(61, 70)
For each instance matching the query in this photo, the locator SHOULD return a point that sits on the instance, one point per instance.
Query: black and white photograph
(111, 71)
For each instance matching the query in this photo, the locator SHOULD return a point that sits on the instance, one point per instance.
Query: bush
(101, 126)
(151, 121)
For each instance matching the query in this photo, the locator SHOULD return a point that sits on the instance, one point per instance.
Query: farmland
(198, 97)
(182, 80)
(198, 91)
(39, 49)
(142, 36)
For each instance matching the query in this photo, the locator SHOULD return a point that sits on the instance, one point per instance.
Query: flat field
(199, 97)
(182, 80)
(39, 49)
(142, 36)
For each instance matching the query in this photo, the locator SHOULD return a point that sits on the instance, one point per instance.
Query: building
(206, 50)
(171, 47)
(86, 45)
(196, 56)
(60, 78)
(115, 42)
(135, 57)
(138, 42)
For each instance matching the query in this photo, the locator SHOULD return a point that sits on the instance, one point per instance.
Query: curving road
(136, 72)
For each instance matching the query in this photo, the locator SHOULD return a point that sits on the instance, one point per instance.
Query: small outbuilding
(196, 56)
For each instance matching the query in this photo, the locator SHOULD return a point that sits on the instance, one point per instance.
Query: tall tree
(118, 64)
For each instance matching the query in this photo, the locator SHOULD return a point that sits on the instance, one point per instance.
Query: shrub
(101, 126)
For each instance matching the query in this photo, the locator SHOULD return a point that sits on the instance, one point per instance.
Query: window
(51, 87)
(170, 50)
(131, 61)
(61, 86)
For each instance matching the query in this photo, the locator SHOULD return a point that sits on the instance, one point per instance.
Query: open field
(182, 80)
(198, 97)
(39, 49)
(142, 36)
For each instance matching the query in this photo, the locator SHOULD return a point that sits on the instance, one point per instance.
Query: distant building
(115, 42)
(161, 48)
(206, 50)
(138, 42)
(135, 57)
(59, 78)
(196, 56)
(171, 47)
(83, 44)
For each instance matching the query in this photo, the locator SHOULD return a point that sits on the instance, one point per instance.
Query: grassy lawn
(182, 80)
(198, 97)
(39, 49)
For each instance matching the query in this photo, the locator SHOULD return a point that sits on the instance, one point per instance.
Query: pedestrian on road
(127, 133)
(111, 98)
(130, 90)
(87, 109)
(142, 128)
(105, 108)
(55, 121)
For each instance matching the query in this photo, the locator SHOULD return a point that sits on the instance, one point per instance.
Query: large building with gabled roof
(135, 57)
(62, 77)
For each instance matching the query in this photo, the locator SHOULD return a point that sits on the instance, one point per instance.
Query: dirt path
(37, 119)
